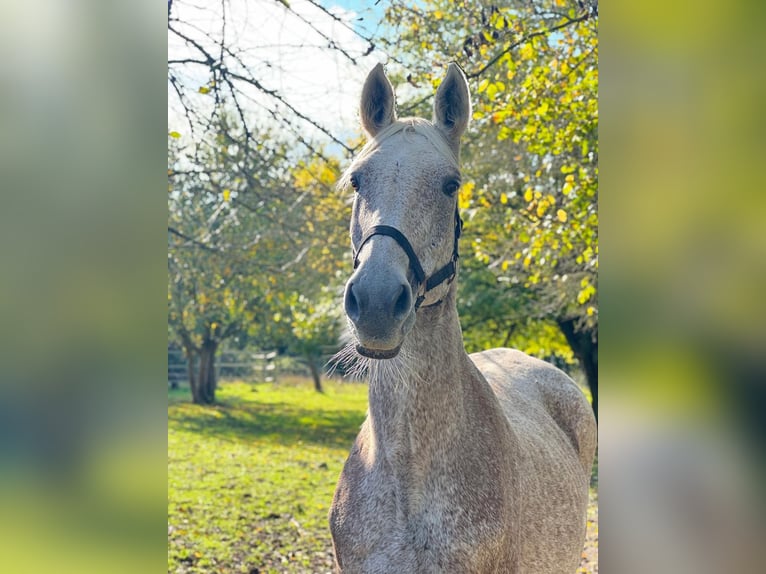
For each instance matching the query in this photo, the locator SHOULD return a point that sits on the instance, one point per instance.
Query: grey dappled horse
(465, 463)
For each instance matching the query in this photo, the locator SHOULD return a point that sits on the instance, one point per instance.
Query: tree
(221, 92)
(227, 244)
(255, 239)
(493, 316)
(315, 327)
(531, 155)
(315, 302)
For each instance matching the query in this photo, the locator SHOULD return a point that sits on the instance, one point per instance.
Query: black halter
(424, 285)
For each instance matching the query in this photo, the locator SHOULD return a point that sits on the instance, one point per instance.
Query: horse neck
(417, 398)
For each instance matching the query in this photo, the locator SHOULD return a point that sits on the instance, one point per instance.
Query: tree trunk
(315, 374)
(584, 344)
(203, 392)
(191, 354)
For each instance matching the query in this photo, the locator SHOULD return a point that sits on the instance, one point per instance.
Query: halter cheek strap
(445, 273)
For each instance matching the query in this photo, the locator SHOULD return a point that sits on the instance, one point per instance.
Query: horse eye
(451, 187)
(355, 182)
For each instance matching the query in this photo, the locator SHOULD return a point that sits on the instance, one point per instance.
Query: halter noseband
(424, 285)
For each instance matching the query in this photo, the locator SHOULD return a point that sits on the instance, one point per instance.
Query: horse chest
(387, 527)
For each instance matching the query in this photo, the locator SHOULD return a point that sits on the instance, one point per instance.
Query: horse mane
(408, 126)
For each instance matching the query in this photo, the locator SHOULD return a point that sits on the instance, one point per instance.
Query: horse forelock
(406, 126)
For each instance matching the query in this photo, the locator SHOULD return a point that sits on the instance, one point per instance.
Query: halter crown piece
(424, 285)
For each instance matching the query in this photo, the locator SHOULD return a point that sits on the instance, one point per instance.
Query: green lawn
(250, 480)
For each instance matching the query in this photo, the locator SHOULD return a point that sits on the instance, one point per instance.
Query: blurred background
(238, 266)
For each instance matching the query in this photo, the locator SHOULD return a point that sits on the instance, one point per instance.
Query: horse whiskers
(354, 366)
(397, 371)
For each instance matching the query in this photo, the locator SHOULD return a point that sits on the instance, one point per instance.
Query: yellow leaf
(483, 85)
(465, 194)
(590, 311)
(528, 195)
(561, 215)
(527, 52)
(505, 265)
(567, 189)
(226, 194)
(175, 135)
(438, 14)
(503, 198)
(585, 294)
(203, 90)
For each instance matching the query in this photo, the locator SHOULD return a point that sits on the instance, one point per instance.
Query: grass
(250, 479)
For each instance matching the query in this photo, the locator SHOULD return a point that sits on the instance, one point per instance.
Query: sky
(286, 55)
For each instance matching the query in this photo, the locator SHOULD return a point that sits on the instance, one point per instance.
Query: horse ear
(452, 105)
(377, 107)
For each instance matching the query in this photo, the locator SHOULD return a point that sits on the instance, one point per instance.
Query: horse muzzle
(381, 311)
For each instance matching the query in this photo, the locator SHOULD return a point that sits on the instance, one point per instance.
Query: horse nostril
(403, 302)
(351, 303)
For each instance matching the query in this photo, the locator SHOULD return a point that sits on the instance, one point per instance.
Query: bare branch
(193, 241)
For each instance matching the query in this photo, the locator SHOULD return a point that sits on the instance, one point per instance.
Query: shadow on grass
(281, 422)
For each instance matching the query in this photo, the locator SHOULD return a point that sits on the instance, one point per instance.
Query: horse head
(404, 225)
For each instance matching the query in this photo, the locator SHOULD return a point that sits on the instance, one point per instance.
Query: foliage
(530, 157)
(252, 237)
(494, 314)
(226, 237)
(316, 328)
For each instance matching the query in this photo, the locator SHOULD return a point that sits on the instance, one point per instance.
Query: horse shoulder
(347, 511)
(532, 392)
(361, 504)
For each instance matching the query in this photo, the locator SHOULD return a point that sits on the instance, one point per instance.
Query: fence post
(268, 366)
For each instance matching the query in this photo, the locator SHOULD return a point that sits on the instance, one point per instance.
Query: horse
(465, 463)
